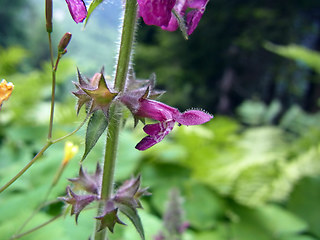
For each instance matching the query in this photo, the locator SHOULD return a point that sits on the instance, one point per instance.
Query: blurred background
(251, 173)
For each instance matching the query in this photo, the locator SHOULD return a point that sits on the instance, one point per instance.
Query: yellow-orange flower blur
(5, 91)
(70, 150)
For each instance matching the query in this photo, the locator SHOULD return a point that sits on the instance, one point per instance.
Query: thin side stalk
(53, 87)
(48, 144)
(22, 171)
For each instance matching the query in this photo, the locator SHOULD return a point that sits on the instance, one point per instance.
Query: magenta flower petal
(197, 4)
(152, 129)
(172, 25)
(77, 9)
(193, 117)
(160, 13)
(156, 110)
(194, 16)
(156, 12)
(180, 9)
(146, 143)
(162, 130)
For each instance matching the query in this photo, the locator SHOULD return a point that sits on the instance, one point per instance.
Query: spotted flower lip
(77, 9)
(170, 14)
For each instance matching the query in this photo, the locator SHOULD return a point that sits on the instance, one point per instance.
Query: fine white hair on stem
(87, 2)
(119, 41)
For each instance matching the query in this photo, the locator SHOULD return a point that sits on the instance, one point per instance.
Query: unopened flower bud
(49, 15)
(64, 43)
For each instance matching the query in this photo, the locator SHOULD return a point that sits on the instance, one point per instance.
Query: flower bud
(49, 15)
(64, 43)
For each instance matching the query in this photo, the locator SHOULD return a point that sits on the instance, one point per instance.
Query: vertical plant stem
(124, 58)
(53, 90)
(50, 49)
(127, 38)
(111, 152)
(126, 44)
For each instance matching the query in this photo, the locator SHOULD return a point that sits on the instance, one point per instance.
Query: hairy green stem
(126, 44)
(124, 59)
(111, 151)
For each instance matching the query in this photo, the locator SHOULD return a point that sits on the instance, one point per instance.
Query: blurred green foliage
(14, 29)
(252, 181)
(254, 176)
(298, 53)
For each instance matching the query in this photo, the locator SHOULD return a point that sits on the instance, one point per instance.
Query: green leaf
(96, 126)
(93, 5)
(255, 112)
(219, 233)
(151, 223)
(265, 223)
(132, 214)
(304, 202)
(298, 53)
(203, 207)
(297, 237)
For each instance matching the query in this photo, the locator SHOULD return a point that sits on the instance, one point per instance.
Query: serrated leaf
(92, 7)
(132, 214)
(96, 126)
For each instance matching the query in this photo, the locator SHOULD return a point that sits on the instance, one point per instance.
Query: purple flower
(77, 9)
(170, 14)
(166, 115)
